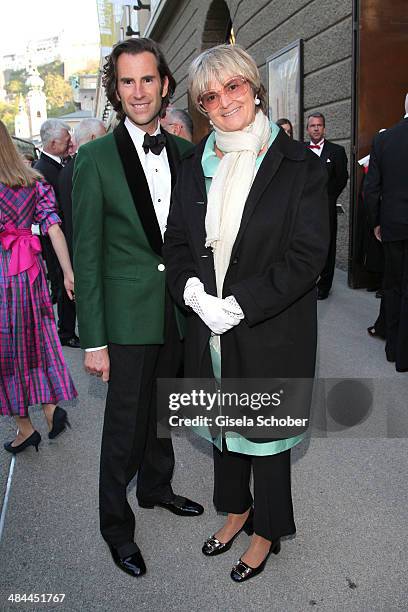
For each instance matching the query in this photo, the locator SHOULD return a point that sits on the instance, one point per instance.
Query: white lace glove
(218, 314)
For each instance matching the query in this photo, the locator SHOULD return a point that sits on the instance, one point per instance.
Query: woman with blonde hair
(246, 239)
(32, 366)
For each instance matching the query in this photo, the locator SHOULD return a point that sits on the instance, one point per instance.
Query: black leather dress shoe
(71, 342)
(322, 294)
(179, 505)
(374, 333)
(133, 565)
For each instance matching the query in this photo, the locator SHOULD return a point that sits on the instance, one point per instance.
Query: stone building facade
(185, 27)
(354, 71)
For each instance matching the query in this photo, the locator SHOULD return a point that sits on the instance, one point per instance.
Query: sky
(25, 20)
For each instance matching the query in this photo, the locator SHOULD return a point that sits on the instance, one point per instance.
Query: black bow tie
(154, 143)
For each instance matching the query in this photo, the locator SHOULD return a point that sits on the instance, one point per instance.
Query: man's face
(140, 90)
(60, 146)
(171, 125)
(315, 129)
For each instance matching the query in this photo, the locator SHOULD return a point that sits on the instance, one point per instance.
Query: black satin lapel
(173, 156)
(325, 152)
(139, 187)
(265, 174)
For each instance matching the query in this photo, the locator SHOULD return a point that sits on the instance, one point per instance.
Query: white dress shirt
(54, 157)
(320, 144)
(157, 172)
(158, 176)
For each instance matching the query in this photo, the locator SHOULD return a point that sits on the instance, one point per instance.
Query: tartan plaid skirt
(32, 365)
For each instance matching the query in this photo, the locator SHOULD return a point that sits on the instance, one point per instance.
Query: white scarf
(230, 187)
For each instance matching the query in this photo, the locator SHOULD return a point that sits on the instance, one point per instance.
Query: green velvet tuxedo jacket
(118, 265)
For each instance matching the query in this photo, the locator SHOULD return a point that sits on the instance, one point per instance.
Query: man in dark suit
(335, 159)
(56, 141)
(127, 322)
(87, 130)
(386, 198)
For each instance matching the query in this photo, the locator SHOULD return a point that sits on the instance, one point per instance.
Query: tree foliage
(7, 114)
(55, 111)
(92, 67)
(15, 84)
(58, 91)
(56, 68)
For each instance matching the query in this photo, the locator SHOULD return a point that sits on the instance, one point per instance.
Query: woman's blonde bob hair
(219, 63)
(14, 172)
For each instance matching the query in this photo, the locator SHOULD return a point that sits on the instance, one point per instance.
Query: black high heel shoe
(213, 547)
(33, 440)
(241, 571)
(59, 422)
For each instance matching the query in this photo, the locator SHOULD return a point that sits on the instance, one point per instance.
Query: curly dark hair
(133, 46)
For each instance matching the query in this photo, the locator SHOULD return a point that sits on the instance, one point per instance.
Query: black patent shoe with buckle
(59, 422)
(242, 572)
(213, 546)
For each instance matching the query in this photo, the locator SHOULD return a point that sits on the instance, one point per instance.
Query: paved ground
(350, 496)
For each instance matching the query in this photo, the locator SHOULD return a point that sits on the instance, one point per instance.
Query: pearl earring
(257, 101)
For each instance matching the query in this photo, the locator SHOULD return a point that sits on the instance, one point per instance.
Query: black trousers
(379, 325)
(129, 439)
(65, 307)
(326, 276)
(53, 267)
(66, 312)
(273, 510)
(396, 302)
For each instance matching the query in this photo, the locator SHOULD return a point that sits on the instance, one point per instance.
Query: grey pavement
(349, 490)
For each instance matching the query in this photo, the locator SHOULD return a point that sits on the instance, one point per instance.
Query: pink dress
(32, 366)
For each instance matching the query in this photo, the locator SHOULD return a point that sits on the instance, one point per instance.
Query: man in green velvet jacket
(121, 199)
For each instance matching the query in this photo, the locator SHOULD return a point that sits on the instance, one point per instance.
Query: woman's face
(232, 114)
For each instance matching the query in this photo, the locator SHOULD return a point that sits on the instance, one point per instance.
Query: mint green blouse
(234, 441)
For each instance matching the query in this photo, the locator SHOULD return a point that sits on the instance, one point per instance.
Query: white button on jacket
(161, 267)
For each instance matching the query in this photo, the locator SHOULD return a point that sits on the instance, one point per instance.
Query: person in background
(28, 159)
(56, 142)
(334, 158)
(246, 238)
(32, 366)
(286, 125)
(386, 199)
(178, 122)
(87, 130)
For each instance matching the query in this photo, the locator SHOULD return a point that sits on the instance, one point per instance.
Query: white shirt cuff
(97, 348)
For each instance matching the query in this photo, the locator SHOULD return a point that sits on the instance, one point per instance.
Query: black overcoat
(280, 249)
(386, 184)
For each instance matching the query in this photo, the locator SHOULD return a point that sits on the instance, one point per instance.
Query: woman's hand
(218, 314)
(69, 285)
